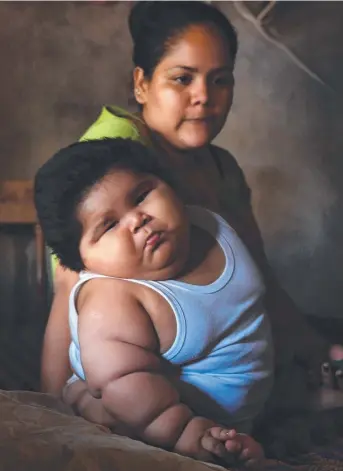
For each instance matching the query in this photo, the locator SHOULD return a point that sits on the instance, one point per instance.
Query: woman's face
(189, 96)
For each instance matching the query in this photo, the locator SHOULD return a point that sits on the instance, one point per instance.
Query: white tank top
(222, 353)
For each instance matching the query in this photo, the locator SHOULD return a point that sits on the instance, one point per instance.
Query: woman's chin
(196, 141)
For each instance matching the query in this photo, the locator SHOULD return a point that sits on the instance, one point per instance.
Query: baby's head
(105, 206)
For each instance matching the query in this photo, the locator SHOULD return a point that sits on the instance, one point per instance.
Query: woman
(184, 54)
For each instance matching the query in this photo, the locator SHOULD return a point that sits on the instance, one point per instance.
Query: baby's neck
(206, 260)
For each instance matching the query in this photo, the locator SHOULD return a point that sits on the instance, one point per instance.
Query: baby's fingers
(228, 437)
(213, 445)
(233, 446)
(221, 433)
(252, 456)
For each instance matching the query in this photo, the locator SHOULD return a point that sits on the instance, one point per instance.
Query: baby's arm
(119, 352)
(77, 396)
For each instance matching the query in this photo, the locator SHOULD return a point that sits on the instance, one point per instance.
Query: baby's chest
(189, 325)
(184, 326)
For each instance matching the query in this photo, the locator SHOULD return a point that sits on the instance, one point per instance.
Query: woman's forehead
(199, 45)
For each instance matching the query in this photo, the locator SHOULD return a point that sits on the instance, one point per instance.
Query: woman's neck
(173, 156)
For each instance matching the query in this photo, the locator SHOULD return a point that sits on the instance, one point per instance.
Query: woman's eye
(224, 80)
(183, 79)
(142, 197)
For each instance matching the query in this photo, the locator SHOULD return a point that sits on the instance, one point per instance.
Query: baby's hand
(232, 447)
(251, 455)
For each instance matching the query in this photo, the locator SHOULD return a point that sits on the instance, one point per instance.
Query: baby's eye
(111, 225)
(142, 197)
(183, 79)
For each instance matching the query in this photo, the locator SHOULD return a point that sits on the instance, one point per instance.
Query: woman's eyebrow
(225, 68)
(184, 67)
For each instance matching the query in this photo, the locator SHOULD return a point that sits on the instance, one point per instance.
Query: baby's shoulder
(106, 292)
(111, 308)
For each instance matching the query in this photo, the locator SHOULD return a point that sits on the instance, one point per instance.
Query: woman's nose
(200, 93)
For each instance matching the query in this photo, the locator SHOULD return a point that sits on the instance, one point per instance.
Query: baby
(167, 320)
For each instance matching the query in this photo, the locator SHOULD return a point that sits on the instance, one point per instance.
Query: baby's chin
(158, 273)
(165, 266)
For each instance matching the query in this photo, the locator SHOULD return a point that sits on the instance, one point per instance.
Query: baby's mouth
(154, 240)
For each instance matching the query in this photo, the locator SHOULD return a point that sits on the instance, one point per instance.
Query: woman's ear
(141, 85)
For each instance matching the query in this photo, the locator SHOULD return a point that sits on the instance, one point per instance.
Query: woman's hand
(55, 369)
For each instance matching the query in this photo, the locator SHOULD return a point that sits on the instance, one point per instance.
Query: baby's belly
(232, 400)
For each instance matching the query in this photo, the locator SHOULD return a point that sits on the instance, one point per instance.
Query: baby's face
(134, 226)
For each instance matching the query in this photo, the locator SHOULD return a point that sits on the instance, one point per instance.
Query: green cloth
(112, 122)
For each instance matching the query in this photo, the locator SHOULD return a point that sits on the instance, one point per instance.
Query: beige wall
(61, 61)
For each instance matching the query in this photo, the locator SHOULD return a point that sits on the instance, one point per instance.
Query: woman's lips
(198, 120)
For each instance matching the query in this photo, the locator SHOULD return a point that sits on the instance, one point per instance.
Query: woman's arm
(55, 369)
(55, 366)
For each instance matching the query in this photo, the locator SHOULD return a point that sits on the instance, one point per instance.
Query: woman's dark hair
(63, 182)
(154, 26)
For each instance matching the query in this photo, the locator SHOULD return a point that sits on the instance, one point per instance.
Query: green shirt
(113, 122)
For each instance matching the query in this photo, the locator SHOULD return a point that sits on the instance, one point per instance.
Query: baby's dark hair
(155, 25)
(63, 182)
